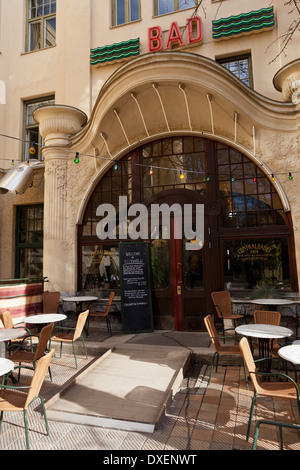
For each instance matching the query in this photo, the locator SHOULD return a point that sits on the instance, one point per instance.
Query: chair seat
(11, 400)
(278, 389)
(234, 349)
(68, 337)
(98, 314)
(22, 356)
(233, 317)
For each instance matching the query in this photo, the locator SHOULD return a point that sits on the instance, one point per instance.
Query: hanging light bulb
(12, 162)
(150, 171)
(76, 159)
(254, 179)
(116, 166)
(181, 175)
(27, 162)
(207, 178)
(232, 179)
(290, 176)
(32, 149)
(273, 177)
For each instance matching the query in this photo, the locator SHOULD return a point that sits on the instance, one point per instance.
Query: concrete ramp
(126, 389)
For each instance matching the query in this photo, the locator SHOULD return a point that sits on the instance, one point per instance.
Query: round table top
(290, 353)
(12, 333)
(45, 318)
(272, 301)
(263, 331)
(5, 365)
(80, 298)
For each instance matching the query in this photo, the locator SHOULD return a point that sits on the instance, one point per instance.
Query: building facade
(159, 102)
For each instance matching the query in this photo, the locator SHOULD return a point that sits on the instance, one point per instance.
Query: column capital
(57, 123)
(287, 80)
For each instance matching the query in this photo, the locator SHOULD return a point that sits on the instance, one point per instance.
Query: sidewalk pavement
(201, 416)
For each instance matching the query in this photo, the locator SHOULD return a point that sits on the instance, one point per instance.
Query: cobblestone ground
(201, 417)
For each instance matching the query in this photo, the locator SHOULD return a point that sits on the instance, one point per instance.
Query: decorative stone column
(287, 80)
(57, 124)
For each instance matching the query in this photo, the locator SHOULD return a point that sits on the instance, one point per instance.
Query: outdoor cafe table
(5, 366)
(45, 318)
(8, 334)
(79, 300)
(263, 333)
(291, 353)
(272, 303)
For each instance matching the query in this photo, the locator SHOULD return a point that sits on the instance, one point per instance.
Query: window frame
(114, 22)
(239, 57)
(19, 246)
(175, 9)
(27, 143)
(42, 20)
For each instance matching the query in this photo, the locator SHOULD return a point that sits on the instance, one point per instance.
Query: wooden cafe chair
(7, 322)
(32, 356)
(222, 304)
(50, 302)
(72, 335)
(14, 398)
(268, 317)
(101, 314)
(286, 389)
(219, 349)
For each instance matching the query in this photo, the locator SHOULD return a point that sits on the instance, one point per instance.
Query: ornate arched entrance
(248, 237)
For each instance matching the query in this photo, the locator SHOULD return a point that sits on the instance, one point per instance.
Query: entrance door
(181, 276)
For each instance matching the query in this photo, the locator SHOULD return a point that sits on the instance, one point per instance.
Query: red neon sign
(194, 35)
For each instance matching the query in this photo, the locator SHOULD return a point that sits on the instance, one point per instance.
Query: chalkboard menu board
(135, 287)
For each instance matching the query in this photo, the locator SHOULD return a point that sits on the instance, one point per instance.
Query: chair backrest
(7, 320)
(249, 362)
(211, 329)
(38, 377)
(222, 303)
(267, 317)
(43, 340)
(111, 298)
(82, 317)
(50, 302)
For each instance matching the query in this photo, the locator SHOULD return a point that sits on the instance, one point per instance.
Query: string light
(232, 179)
(32, 151)
(150, 171)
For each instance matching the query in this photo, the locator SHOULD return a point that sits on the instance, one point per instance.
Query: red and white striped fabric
(21, 300)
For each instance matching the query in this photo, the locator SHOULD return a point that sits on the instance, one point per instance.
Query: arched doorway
(248, 235)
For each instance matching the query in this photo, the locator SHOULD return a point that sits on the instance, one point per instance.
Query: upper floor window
(240, 66)
(161, 7)
(32, 137)
(125, 11)
(41, 24)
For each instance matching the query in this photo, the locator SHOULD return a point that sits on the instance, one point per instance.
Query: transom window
(162, 7)
(240, 66)
(125, 11)
(41, 19)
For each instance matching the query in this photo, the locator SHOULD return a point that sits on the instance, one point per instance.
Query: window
(41, 20)
(29, 241)
(240, 66)
(32, 137)
(161, 7)
(125, 11)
